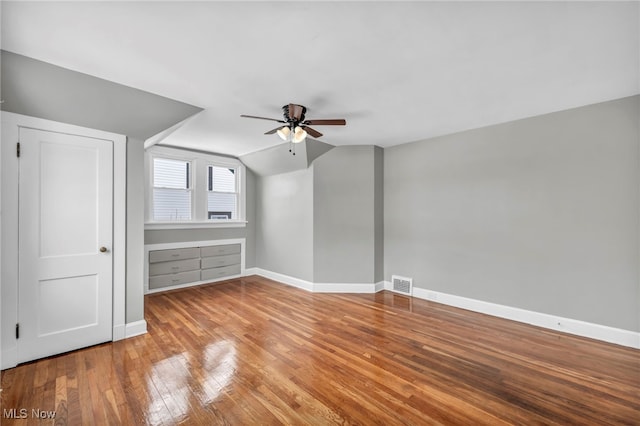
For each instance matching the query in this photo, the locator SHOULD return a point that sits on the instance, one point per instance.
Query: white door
(65, 240)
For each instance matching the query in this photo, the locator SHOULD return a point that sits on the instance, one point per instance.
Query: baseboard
(566, 325)
(317, 287)
(251, 271)
(119, 332)
(9, 358)
(136, 328)
(343, 288)
(285, 279)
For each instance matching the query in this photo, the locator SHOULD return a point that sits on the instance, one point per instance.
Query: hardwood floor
(253, 351)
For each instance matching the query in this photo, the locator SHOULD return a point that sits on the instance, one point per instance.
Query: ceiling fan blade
(262, 118)
(295, 111)
(328, 122)
(270, 132)
(312, 132)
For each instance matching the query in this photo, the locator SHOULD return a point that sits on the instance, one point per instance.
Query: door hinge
(18, 149)
(17, 331)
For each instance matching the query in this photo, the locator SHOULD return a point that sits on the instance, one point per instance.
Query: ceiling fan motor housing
(291, 118)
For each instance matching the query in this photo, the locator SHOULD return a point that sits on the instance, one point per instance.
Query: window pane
(169, 173)
(222, 179)
(221, 205)
(171, 204)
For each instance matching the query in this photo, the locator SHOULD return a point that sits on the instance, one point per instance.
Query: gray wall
(284, 232)
(540, 214)
(40, 89)
(204, 234)
(135, 231)
(344, 205)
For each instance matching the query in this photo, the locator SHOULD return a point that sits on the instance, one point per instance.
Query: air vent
(402, 285)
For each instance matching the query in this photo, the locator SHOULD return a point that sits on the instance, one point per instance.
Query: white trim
(187, 244)
(9, 358)
(119, 230)
(135, 328)
(551, 322)
(9, 278)
(193, 284)
(343, 288)
(200, 162)
(150, 226)
(284, 279)
(317, 287)
(9, 192)
(119, 332)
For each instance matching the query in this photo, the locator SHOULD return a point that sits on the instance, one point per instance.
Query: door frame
(9, 169)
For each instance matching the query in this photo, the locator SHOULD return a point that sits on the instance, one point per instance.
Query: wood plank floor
(253, 351)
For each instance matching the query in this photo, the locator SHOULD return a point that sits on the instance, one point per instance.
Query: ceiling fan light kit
(284, 133)
(296, 128)
(299, 135)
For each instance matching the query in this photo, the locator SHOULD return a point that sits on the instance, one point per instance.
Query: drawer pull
(175, 267)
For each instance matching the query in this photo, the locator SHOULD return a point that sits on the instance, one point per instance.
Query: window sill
(151, 226)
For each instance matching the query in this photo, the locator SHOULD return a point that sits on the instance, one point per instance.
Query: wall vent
(402, 285)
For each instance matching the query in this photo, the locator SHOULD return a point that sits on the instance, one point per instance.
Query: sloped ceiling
(279, 159)
(39, 89)
(396, 71)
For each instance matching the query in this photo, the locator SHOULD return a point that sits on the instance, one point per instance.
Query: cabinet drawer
(173, 266)
(174, 254)
(224, 271)
(217, 261)
(219, 250)
(173, 279)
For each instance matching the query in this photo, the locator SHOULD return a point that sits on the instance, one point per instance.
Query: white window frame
(189, 179)
(200, 163)
(210, 168)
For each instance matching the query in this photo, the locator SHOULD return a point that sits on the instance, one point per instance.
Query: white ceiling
(397, 72)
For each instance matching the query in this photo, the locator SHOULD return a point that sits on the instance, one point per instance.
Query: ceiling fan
(296, 128)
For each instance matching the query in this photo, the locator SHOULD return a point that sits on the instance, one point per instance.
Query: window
(222, 197)
(171, 190)
(189, 189)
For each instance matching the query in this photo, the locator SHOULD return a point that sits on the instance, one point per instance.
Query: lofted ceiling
(396, 71)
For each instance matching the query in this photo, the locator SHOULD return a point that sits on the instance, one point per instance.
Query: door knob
(103, 249)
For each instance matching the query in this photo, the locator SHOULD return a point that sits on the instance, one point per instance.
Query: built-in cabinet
(177, 265)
